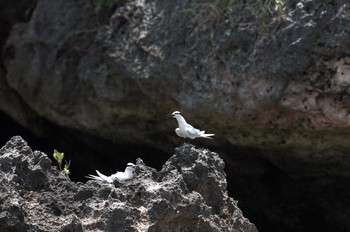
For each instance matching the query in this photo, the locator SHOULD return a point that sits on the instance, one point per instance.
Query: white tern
(185, 130)
(121, 176)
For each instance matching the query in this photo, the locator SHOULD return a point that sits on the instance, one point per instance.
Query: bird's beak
(170, 116)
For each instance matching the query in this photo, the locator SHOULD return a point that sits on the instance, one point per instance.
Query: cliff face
(282, 74)
(271, 83)
(188, 194)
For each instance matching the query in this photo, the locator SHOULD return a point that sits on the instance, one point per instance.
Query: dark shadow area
(270, 197)
(9, 128)
(276, 201)
(87, 153)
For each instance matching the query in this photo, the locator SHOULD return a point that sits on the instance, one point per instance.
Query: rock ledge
(188, 194)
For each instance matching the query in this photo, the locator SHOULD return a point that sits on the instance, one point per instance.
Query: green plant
(280, 7)
(66, 168)
(260, 9)
(99, 4)
(265, 10)
(58, 156)
(207, 14)
(210, 13)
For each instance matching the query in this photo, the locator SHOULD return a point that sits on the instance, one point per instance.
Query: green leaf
(58, 156)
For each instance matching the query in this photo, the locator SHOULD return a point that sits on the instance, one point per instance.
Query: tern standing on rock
(185, 130)
(121, 176)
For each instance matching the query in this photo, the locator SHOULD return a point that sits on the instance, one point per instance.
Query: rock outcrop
(188, 194)
(271, 83)
(271, 80)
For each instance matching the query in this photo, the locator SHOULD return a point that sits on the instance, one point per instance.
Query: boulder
(188, 194)
(274, 81)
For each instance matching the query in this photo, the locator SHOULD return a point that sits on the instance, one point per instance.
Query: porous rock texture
(267, 81)
(272, 84)
(188, 194)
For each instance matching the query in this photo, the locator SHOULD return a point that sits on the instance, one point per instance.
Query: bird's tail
(207, 136)
(103, 177)
(99, 177)
(92, 177)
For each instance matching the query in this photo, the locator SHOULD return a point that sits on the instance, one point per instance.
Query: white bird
(185, 130)
(121, 176)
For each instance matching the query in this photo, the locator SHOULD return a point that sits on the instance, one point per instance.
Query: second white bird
(121, 176)
(185, 130)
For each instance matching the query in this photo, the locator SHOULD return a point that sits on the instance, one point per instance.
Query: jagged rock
(274, 88)
(188, 194)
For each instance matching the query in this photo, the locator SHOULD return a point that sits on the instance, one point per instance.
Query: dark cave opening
(85, 152)
(276, 201)
(269, 197)
(9, 128)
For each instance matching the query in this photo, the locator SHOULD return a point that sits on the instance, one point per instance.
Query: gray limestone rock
(113, 75)
(188, 194)
(269, 85)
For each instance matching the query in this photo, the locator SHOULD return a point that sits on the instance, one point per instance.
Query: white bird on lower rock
(185, 130)
(120, 176)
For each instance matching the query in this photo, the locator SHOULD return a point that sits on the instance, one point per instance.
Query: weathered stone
(285, 78)
(151, 201)
(275, 87)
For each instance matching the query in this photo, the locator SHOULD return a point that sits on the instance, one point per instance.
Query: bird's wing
(192, 132)
(121, 176)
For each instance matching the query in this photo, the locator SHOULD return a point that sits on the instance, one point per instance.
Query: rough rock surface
(274, 88)
(188, 194)
(282, 75)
